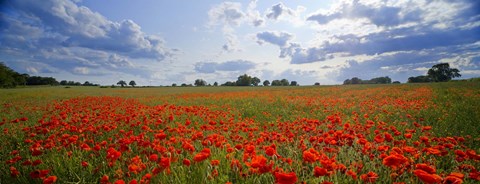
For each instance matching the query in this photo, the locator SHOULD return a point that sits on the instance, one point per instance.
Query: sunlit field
(402, 133)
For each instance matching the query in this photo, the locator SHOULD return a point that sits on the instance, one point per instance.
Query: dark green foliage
(200, 82)
(10, 78)
(122, 83)
(266, 83)
(377, 80)
(132, 83)
(442, 72)
(419, 79)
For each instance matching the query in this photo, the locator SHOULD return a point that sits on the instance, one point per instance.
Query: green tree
(200, 82)
(266, 83)
(293, 83)
(215, 83)
(419, 79)
(276, 83)
(317, 84)
(244, 80)
(255, 81)
(122, 83)
(442, 72)
(132, 83)
(284, 82)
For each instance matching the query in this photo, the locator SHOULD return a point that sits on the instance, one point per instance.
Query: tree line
(10, 79)
(438, 73)
(244, 80)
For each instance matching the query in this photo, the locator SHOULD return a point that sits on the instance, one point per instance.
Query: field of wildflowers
(426, 133)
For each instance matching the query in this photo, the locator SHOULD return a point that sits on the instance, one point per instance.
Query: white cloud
(278, 10)
(226, 13)
(64, 35)
(81, 70)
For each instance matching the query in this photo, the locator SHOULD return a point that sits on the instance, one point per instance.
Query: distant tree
(284, 82)
(293, 83)
(200, 82)
(183, 85)
(347, 81)
(229, 83)
(276, 83)
(10, 78)
(419, 79)
(78, 84)
(215, 83)
(244, 80)
(255, 81)
(37, 80)
(380, 80)
(63, 82)
(442, 72)
(266, 83)
(396, 82)
(317, 84)
(86, 83)
(132, 83)
(122, 83)
(356, 80)
(174, 85)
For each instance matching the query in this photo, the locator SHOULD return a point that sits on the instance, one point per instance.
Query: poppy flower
(427, 177)
(370, 177)
(186, 162)
(285, 178)
(394, 160)
(14, 172)
(426, 168)
(50, 180)
(153, 157)
(454, 178)
(318, 171)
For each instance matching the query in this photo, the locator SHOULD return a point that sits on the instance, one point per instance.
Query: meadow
(406, 133)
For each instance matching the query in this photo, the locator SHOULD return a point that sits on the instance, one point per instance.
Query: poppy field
(413, 133)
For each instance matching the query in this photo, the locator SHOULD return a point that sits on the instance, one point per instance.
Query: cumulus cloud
(228, 13)
(278, 10)
(64, 35)
(294, 51)
(401, 65)
(235, 65)
(274, 37)
(254, 15)
(400, 26)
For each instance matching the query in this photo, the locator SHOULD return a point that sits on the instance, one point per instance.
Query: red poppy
(427, 177)
(39, 173)
(153, 157)
(394, 160)
(318, 171)
(352, 174)
(104, 179)
(426, 168)
(370, 177)
(285, 178)
(186, 162)
(454, 178)
(50, 180)
(14, 172)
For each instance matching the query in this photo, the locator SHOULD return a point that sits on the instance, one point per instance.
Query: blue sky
(156, 42)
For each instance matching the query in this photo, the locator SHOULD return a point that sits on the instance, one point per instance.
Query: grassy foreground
(342, 134)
